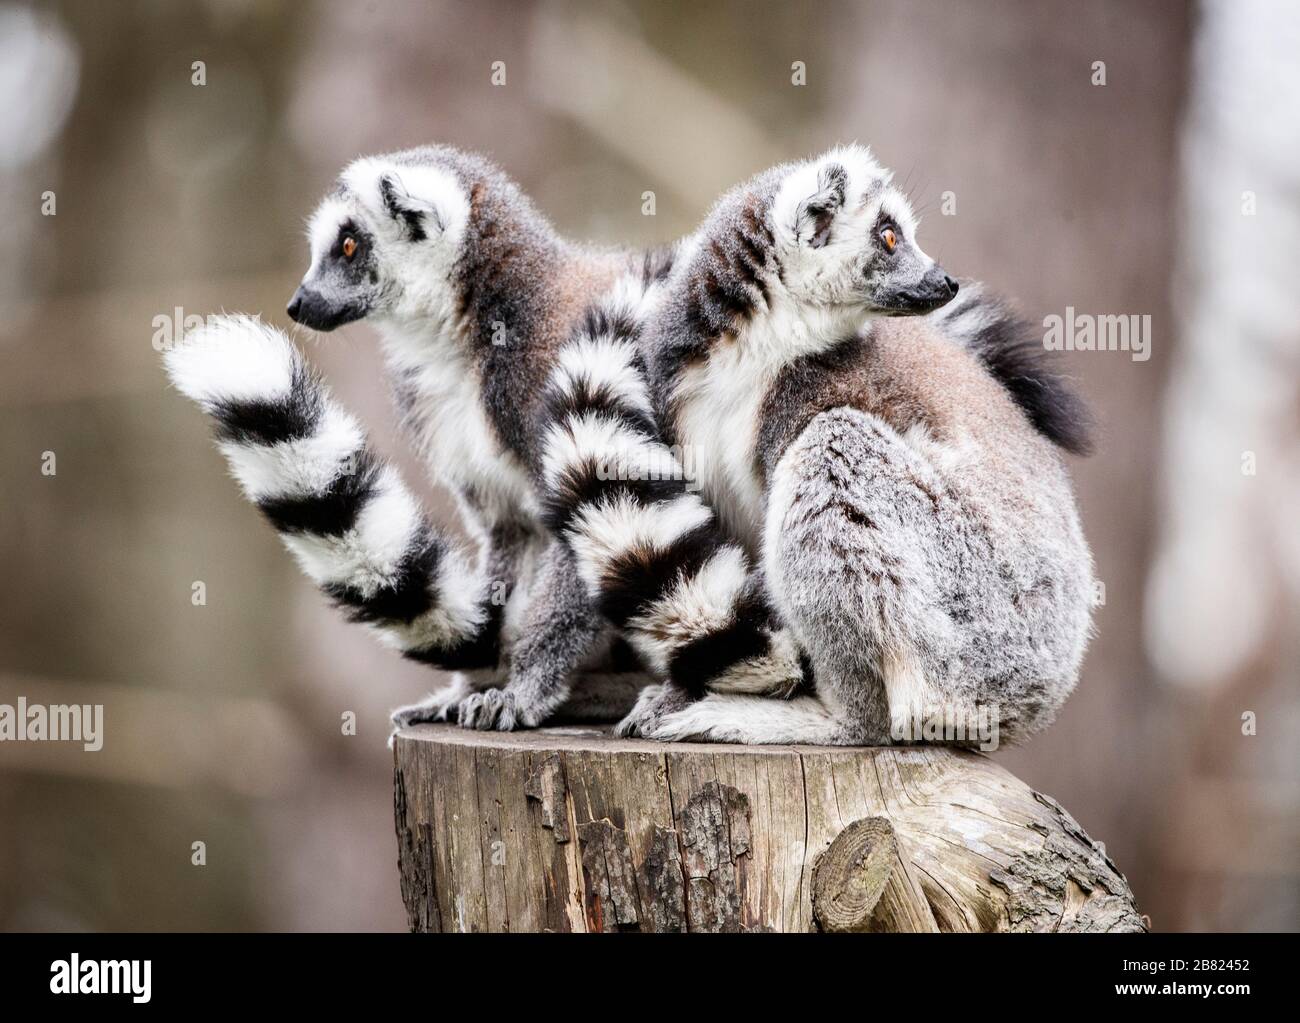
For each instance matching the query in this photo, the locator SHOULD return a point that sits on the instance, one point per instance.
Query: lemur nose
(295, 306)
(952, 285)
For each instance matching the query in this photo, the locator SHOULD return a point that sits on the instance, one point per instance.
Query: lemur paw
(498, 709)
(651, 707)
(436, 707)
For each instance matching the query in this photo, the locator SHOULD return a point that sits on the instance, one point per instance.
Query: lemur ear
(817, 212)
(415, 216)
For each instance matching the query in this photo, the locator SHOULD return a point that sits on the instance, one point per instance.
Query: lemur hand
(435, 707)
(499, 709)
(652, 706)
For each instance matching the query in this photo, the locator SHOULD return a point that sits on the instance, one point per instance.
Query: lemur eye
(889, 238)
(349, 247)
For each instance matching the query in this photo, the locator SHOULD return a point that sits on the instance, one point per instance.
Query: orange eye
(350, 247)
(890, 239)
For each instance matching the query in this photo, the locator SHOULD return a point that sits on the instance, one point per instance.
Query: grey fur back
(960, 519)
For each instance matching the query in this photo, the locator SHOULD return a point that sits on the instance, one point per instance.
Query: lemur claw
(498, 709)
(437, 707)
(652, 706)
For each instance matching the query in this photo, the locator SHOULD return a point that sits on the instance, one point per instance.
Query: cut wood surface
(570, 829)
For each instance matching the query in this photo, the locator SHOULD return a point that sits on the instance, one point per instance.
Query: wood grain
(571, 829)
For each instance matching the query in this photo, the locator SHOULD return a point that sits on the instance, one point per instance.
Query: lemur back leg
(755, 720)
(848, 559)
(558, 630)
(854, 552)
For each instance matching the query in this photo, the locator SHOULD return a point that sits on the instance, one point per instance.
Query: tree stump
(570, 829)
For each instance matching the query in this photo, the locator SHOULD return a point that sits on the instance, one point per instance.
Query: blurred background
(1114, 157)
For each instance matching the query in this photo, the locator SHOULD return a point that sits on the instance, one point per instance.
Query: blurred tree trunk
(1224, 600)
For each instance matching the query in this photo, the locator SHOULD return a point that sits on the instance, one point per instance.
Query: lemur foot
(652, 706)
(498, 709)
(437, 707)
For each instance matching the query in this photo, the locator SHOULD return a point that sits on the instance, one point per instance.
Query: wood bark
(570, 829)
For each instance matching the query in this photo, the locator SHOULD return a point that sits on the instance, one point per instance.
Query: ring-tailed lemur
(917, 529)
(473, 293)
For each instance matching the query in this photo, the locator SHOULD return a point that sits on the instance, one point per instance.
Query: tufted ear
(415, 216)
(817, 212)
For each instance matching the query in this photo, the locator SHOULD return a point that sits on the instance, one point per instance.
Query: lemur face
(845, 239)
(382, 244)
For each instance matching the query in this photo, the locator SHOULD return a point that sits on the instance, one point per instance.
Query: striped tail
(343, 512)
(651, 552)
(1013, 353)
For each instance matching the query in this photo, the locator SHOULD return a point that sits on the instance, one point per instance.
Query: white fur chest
(721, 404)
(449, 425)
(717, 425)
